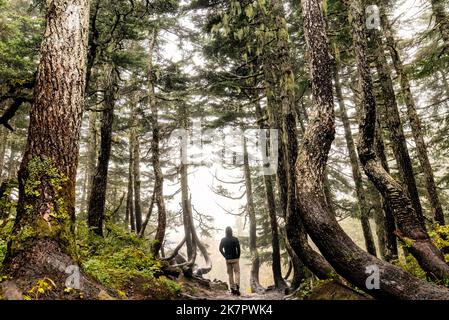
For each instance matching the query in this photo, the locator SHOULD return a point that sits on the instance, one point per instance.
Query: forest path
(269, 295)
(201, 289)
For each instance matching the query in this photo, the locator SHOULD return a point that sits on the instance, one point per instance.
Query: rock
(171, 271)
(219, 285)
(333, 290)
(103, 295)
(205, 283)
(11, 291)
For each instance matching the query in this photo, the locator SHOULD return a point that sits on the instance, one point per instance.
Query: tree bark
(415, 121)
(97, 197)
(356, 174)
(136, 180)
(91, 157)
(348, 260)
(12, 170)
(158, 175)
(130, 217)
(441, 20)
(271, 208)
(395, 128)
(391, 248)
(47, 175)
(4, 138)
(411, 230)
(279, 81)
(255, 260)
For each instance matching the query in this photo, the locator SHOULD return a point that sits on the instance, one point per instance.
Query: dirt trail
(207, 290)
(270, 295)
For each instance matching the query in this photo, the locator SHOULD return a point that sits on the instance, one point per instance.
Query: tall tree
(130, 216)
(395, 128)
(255, 260)
(335, 245)
(415, 121)
(158, 175)
(91, 159)
(46, 207)
(356, 174)
(97, 199)
(408, 220)
(136, 179)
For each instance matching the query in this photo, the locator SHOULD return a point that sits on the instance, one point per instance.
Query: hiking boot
(236, 290)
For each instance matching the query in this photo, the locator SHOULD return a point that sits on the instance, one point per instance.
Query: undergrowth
(120, 259)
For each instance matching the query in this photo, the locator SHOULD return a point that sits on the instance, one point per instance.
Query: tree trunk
(415, 121)
(396, 131)
(4, 139)
(411, 230)
(158, 175)
(130, 217)
(191, 238)
(91, 158)
(299, 269)
(47, 175)
(136, 180)
(97, 197)
(255, 260)
(186, 205)
(356, 174)
(348, 260)
(279, 81)
(271, 208)
(441, 19)
(391, 248)
(186, 210)
(12, 171)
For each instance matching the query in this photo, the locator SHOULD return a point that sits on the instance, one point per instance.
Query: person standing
(230, 249)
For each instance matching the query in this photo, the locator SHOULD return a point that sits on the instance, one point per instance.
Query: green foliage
(2, 250)
(41, 288)
(120, 259)
(412, 266)
(440, 236)
(20, 35)
(7, 207)
(305, 289)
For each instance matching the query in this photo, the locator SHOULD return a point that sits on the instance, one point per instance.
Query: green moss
(440, 237)
(120, 259)
(45, 210)
(411, 265)
(2, 251)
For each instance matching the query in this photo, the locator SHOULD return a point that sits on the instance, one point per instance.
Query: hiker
(230, 249)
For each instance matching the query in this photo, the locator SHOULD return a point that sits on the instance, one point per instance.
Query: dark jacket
(230, 248)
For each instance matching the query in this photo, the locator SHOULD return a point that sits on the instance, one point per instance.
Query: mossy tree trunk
(46, 206)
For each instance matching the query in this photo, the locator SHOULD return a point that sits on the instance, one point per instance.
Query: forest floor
(200, 289)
